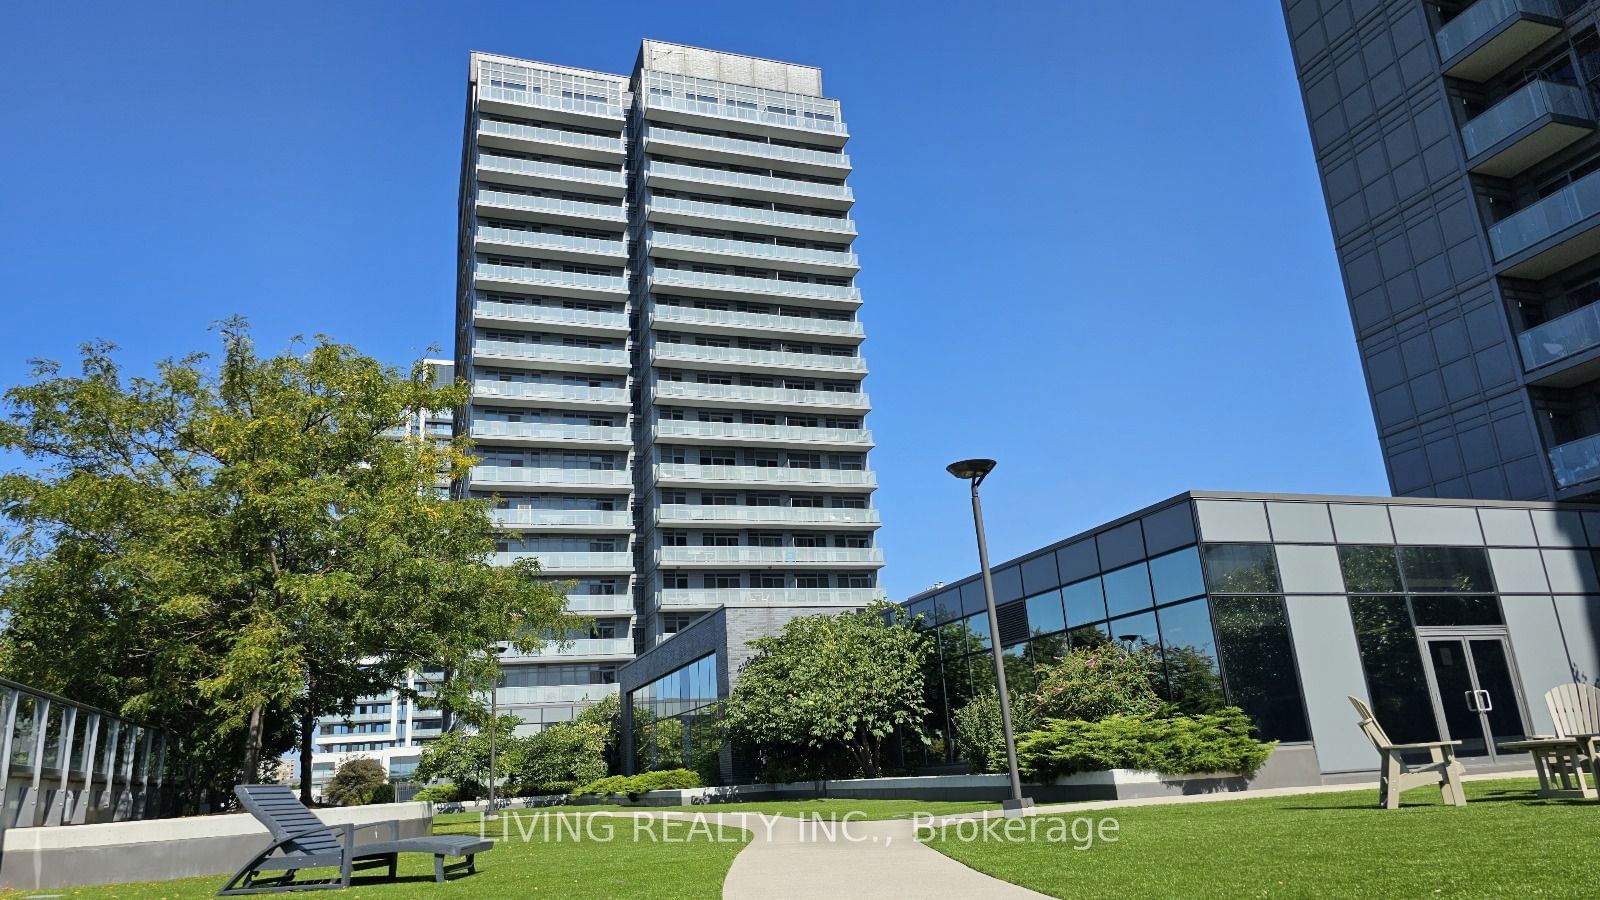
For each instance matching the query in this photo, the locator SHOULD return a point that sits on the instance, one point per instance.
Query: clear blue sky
(1093, 241)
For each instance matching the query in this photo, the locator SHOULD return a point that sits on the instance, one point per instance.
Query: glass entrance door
(1475, 692)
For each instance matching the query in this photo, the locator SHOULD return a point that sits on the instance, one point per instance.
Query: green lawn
(691, 865)
(866, 810)
(1504, 843)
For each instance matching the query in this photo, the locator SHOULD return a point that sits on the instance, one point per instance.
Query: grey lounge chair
(303, 841)
(1442, 767)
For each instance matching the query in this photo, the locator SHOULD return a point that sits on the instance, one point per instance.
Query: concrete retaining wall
(158, 849)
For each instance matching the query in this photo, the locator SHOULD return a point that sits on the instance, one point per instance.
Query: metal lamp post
(494, 726)
(974, 471)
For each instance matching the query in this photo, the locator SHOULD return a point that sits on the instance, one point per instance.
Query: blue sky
(1093, 241)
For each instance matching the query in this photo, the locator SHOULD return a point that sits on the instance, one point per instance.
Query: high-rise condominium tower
(1459, 156)
(656, 311)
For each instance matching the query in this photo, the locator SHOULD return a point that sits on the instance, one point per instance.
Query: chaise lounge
(302, 841)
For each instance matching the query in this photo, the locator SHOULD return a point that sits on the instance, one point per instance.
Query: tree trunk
(251, 765)
(308, 725)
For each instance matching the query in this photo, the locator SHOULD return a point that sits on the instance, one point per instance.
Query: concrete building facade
(1457, 147)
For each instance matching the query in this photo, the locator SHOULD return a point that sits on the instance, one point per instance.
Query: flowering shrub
(1091, 683)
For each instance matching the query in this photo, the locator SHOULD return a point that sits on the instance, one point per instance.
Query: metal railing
(730, 111)
(1519, 109)
(554, 277)
(551, 431)
(578, 647)
(751, 249)
(746, 148)
(730, 212)
(575, 208)
(744, 284)
(608, 177)
(690, 597)
(598, 356)
(781, 359)
(765, 475)
(555, 518)
(683, 514)
(742, 431)
(556, 561)
(689, 315)
(767, 183)
(551, 315)
(747, 556)
(548, 101)
(534, 390)
(688, 390)
(1572, 204)
(68, 763)
(551, 135)
(544, 240)
(550, 475)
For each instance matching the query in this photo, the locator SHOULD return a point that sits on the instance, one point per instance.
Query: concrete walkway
(793, 858)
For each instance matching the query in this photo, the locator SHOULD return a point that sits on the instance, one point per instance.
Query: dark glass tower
(1457, 147)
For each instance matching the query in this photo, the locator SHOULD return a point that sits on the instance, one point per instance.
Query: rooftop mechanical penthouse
(656, 310)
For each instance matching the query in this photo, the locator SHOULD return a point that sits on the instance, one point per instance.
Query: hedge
(1214, 742)
(633, 785)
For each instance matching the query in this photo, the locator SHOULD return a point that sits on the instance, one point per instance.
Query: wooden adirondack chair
(1397, 775)
(1576, 711)
(300, 840)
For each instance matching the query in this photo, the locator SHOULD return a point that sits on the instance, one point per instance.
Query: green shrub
(1216, 742)
(1090, 683)
(355, 781)
(439, 793)
(634, 785)
(980, 736)
(383, 793)
(546, 788)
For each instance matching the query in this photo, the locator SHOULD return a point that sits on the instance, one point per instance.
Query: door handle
(1472, 696)
(1485, 702)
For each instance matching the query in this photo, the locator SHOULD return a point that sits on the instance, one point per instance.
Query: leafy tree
(575, 751)
(461, 756)
(842, 682)
(231, 551)
(980, 734)
(356, 782)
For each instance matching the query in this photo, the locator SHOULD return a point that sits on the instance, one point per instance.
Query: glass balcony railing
(689, 315)
(580, 647)
(551, 136)
(550, 431)
(766, 183)
(769, 556)
(686, 390)
(550, 353)
(747, 148)
(683, 514)
(608, 177)
(667, 429)
(711, 597)
(1519, 110)
(562, 518)
(744, 284)
(550, 315)
(550, 475)
(550, 101)
(1572, 204)
(544, 240)
(551, 277)
(777, 359)
(577, 208)
(1577, 461)
(556, 693)
(731, 213)
(569, 560)
(533, 390)
(1483, 17)
(600, 603)
(750, 249)
(1561, 337)
(730, 111)
(854, 478)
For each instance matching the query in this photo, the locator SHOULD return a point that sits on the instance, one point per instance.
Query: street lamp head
(970, 469)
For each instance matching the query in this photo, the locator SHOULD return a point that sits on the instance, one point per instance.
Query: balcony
(600, 604)
(555, 281)
(553, 246)
(1576, 462)
(743, 184)
(549, 434)
(705, 249)
(1525, 128)
(555, 693)
(563, 396)
(727, 321)
(783, 516)
(582, 648)
(514, 103)
(773, 557)
(680, 432)
(527, 477)
(692, 475)
(1551, 234)
(765, 221)
(539, 173)
(716, 284)
(808, 128)
(576, 519)
(739, 359)
(1490, 35)
(760, 397)
(711, 598)
(559, 562)
(513, 136)
(493, 312)
(726, 149)
(549, 356)
(550, 209)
